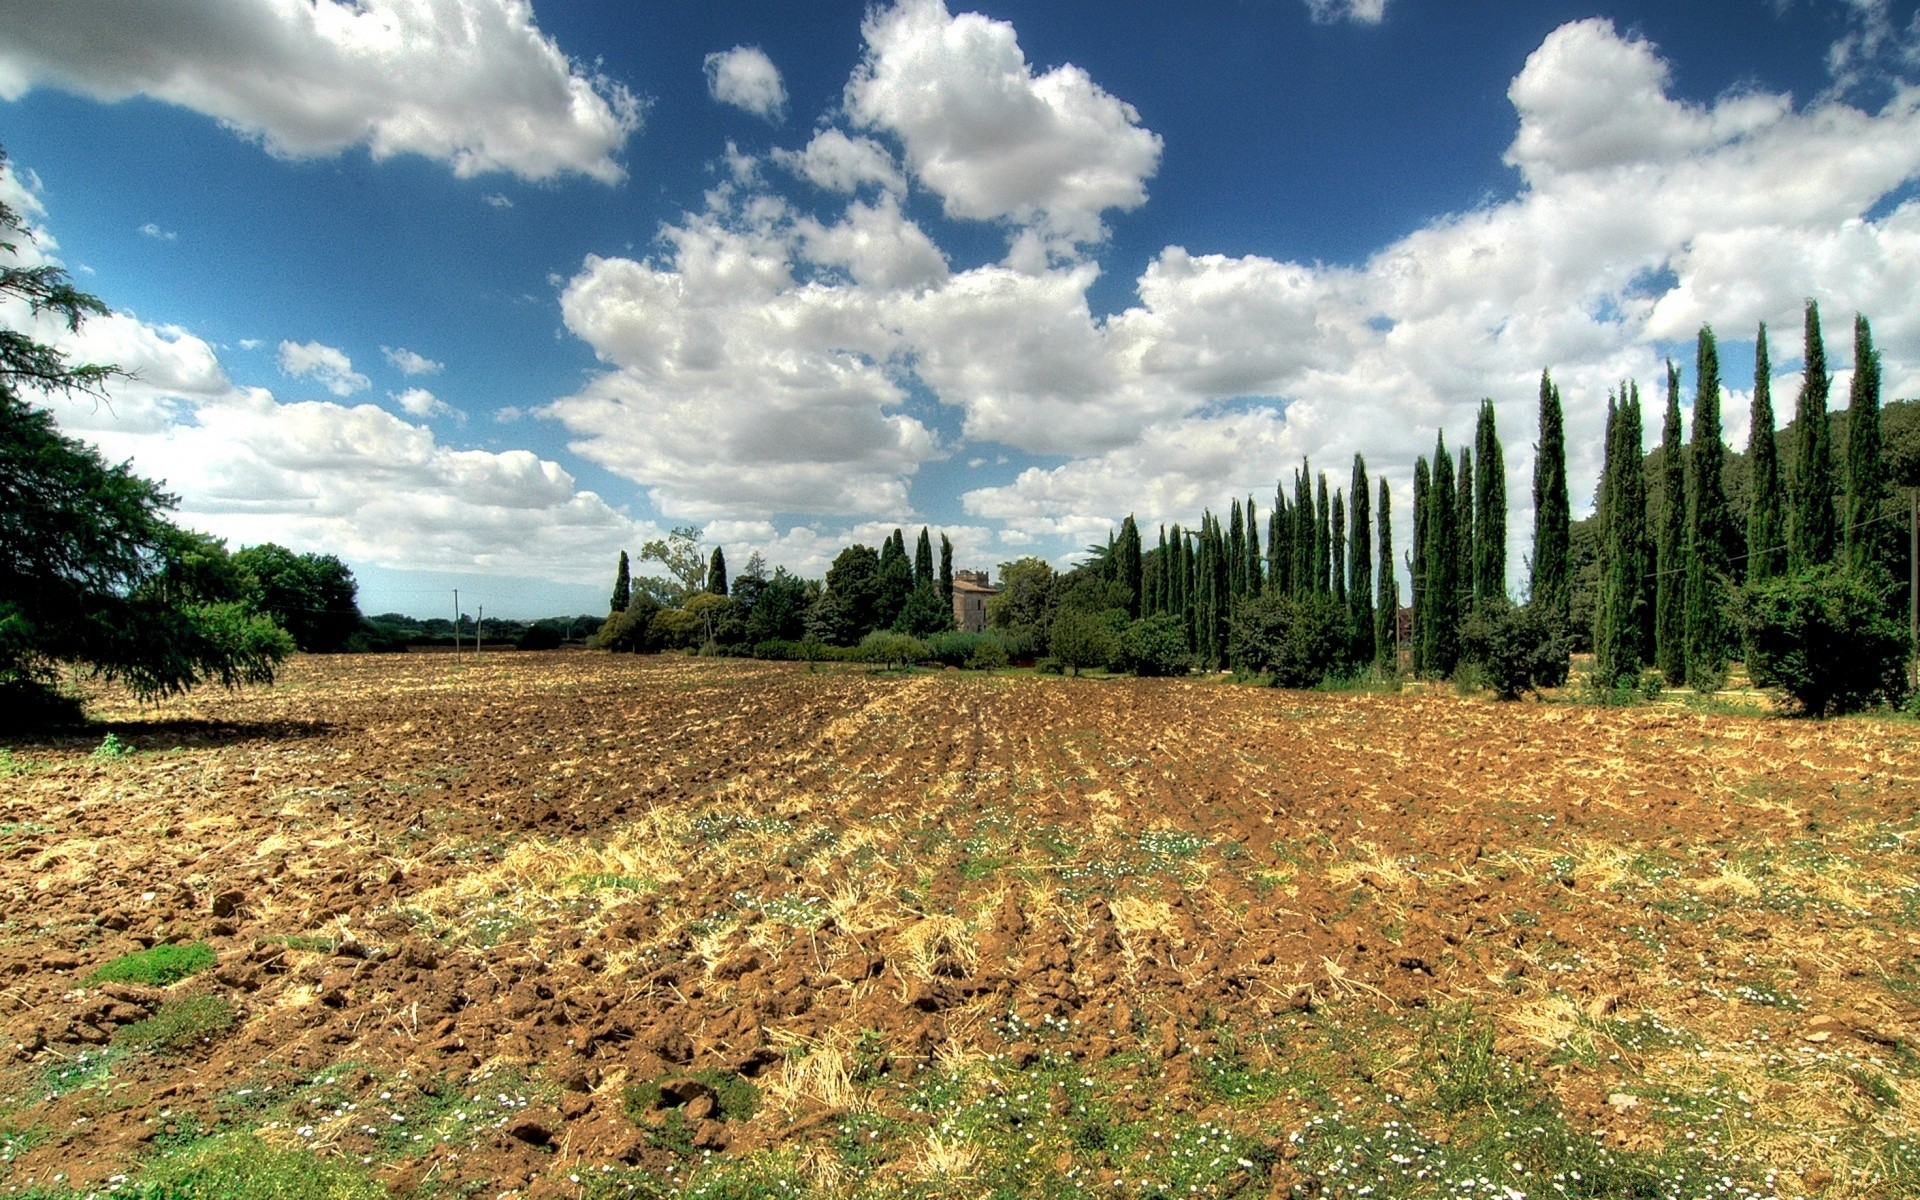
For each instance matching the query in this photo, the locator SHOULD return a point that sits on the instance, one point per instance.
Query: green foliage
(923, 614)
(111, 749)
(1490, 508)
(1437, 624)
(1081, 638)
(241, 1167)
(622, 586)
(1620, 617)
(734, 1098)
(157, 966)
(630, 631)
(1810, 525)
(1153, 646)
(1866, 468)
(1709, 553)
(679, 553)
(179, 1025)
(311, 596)
(1822, 637)
(1766, 522)
(975, 651)
(885, 648)
(717, 572)
(1514, 649)
(1551, 584)
(1296, 640)
(1670, 547)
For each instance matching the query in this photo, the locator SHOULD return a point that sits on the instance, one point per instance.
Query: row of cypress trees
(1669, 598)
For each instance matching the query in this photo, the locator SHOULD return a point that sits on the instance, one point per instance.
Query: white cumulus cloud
(993, 139)
(1361, 12)
(328, 365)
(473, 83)
(839, 163)
(409, 362)
(747, 79)
(421, 403)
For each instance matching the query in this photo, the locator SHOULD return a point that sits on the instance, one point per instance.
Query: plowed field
(565, 924)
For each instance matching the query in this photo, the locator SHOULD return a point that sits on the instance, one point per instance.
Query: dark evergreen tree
(1766, 522)
(1670, 548)
(1551, 583)
(1279, 544)
(895, 582)
(1386, 612)
(717, 572)
(1337, 548)
(1236, 549)
(1254, 583)
(1640, 485)
(946, 571)
(1422, 485)
(1360, 563)
(1490, 509)
(1810, 533)
(1322, 538)
(622, 585)
(1464, 541)
(1441, 588)
(1127, 564)
(1866, 472)
(923, 560)
(1303, 531)
(1710, 534)
(1618, 643)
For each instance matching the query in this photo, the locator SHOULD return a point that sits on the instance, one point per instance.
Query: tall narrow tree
(1766, 523)
(1550, 582)
(1127, 564)
(1490, 509)
(946, 571)
(1417, 564)
(1463, 528)
(1670, 557)
(717, 572)
(1236, 549)
(1386, 611)
(1709, 530)
(1322, 538)
(1360, 563)
(1642, 483)
(1304, 530)
(1810, 533)
(1441, 590)
(622, 585)
(1618, 642)
(923, 560)
(1866, 473)
(1337, 548)
(1255, 584)
(1278, 544)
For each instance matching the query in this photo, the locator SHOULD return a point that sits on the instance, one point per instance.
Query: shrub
(1154, 645)
(1823, 639)
(158, 967)
(630, 631)
(987, 655)
(1298, 641)
(540, 637)
(1513, 649)
(975, 651)
(887, 649)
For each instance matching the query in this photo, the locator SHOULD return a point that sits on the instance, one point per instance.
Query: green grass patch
(241, 1167)
(179, 1025)
(735, 1099)
(86, 1069)
(159, 966)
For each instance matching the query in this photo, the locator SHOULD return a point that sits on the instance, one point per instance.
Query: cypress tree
(1386, 613)
(1550, 585)
(1236, 552)
(1127, 565)
(1441, 588)
(1360, 564)
(1254, 582)
(1766, 525)
(1222, 596)
(1422, 484)
(1157, 593)
(946, 571)
(717, 572)
(923, 560)
(1177, 577)
(1322, 539)
(1670, 558)
(1278, 546)
(1866, 480)
(622, 585)
(1464, 540)
(1303, 530)
(1709, 557)
(1337, 548)
(1810, 520)
(1617, 639)
(1638, 488)
(1490, 509)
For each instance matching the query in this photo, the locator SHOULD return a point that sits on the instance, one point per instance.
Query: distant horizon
(799, 276)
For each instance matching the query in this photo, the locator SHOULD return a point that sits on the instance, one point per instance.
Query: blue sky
(476, 294)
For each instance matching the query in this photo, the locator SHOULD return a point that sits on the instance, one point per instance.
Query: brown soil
(528, 881)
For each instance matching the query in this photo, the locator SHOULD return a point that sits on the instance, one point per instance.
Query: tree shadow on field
(184, 734)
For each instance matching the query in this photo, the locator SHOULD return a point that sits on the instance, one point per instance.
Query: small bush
(179, 1025)
(1297, 640)
(158, 967)
(1824, 640)
(987, 655)
(1513, 649)
(539, 637)
(1048, 666)
(1153, 646)
(885, 648)
(112, 749)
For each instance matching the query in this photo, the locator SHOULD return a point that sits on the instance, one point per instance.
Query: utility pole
(456, 620)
